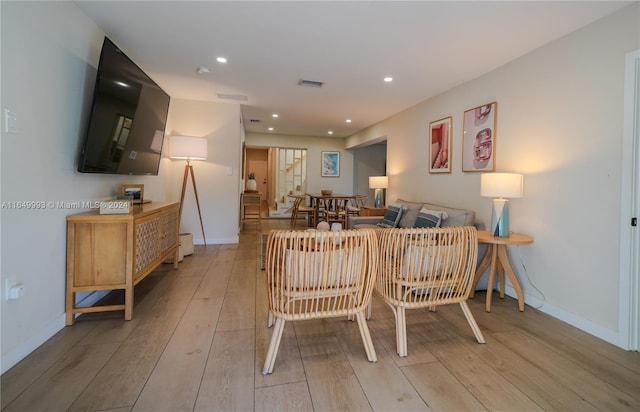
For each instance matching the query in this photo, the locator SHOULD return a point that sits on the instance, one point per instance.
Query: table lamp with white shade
(189, 148)
(501, 186)
(378, 183)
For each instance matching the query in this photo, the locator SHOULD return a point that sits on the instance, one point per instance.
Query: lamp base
(378, 202)
(500, 218)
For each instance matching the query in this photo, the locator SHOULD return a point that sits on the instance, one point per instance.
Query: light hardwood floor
(198, 341)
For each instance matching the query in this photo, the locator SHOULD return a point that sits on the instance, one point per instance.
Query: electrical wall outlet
(12, 289)
(10, 121)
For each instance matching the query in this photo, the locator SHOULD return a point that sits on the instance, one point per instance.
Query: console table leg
(128, 303)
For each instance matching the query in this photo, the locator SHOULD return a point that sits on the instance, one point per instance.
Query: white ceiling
(427, 47)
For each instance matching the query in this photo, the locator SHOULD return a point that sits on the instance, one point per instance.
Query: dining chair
(300, 208)
(316, 274)
(336, 210)
(356, 202)
(426, 268)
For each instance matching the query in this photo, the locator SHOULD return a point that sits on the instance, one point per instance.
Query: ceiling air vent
(254, 120)
(309, 83)
(226, 96)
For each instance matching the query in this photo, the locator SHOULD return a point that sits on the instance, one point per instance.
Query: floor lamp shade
(188, 148)
(501, 186)
(378, 183)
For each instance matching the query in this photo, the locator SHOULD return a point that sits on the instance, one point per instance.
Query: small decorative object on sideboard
(251, 184)
(326, 192)
(116, 207)
(135, 191)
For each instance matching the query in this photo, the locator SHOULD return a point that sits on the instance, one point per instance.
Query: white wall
(314, 146)
(50, 52)
(559, 121)
(218, 191)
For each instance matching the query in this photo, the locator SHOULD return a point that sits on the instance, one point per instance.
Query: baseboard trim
(219, 241)
(589, 327)
(12, 357)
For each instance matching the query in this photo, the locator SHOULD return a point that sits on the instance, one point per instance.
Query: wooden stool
(250, 206)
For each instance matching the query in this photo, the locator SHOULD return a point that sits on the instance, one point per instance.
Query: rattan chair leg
(401, 331)
(273, 346)
(472, 322)
(366, 337)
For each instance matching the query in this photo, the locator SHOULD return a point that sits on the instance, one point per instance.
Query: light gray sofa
(456, 217)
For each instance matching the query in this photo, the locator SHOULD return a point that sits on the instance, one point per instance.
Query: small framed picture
(135, 192)
(479, 139)
(440, 146)
(330, 164)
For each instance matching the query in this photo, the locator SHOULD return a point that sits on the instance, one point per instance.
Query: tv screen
(127, 120)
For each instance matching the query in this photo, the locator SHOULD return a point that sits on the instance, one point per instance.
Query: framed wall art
(479, 138)
(440, 146)
(330, 164)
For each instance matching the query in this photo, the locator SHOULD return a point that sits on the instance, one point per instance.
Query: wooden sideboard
(110, 252)
(372, 211)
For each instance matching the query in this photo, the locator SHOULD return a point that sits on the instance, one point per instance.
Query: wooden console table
(109, 252)
(497, 257)
(372, 211)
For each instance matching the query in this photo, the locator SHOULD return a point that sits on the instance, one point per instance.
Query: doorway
(257, 162)
(279, 172)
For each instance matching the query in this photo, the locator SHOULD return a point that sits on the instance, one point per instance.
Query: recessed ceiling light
(203, 70)
(388, 79)
(330, 132)
(274, 115)
(348, 120)
(221, 59)
(271, 129)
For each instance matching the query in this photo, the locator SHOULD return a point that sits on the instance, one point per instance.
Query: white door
(629, 310)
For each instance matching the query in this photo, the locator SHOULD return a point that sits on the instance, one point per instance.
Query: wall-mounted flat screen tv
(127, 120)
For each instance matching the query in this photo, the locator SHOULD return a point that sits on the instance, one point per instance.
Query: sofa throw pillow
(421, 262)
(430, 218)
(391, 216)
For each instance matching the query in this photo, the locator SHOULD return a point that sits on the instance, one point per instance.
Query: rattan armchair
(425, 268)
(314, 274)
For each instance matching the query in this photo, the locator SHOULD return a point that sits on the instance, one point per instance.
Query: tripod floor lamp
(189, 148)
